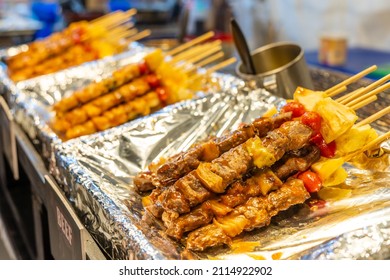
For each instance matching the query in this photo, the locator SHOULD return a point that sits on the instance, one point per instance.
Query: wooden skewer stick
(339, 90)
(350, 96)
(110, 19)
(221, 65)
(209, 60)
(139, 36)
(357, 93)
(204, 54)
(194, 51)
(121, 28)
(374, 117)
(124, 34)
(204, 62)
(116, 31)
(104, 17)
(374, 143)
(363, 103)
(191, 43)
(368, 94)
(119, 19)
(350, 80)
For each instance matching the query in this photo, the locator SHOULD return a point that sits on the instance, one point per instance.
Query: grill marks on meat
(169, 172)
(201, 216)
(256, 212)
(231, 166)
(184, 162)
(292, 164)
(184, 194)
(290, 136)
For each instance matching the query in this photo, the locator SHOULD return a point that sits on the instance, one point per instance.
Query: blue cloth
(357, 60)
(123, 5)
(48, 14)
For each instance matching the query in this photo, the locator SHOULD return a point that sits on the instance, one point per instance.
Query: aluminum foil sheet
(97, 171)
(30, 100)
(14, 50)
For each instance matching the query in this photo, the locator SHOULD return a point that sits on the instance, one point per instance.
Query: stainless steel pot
(280, 68)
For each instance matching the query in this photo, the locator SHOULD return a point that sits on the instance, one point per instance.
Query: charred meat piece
(294, 164)
(196, 218)
(144, 181)
(256, 212)
(185, 193)
(169, 172)
(173, 199)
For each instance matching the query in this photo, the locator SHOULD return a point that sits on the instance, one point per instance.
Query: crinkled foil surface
(30, 100)
(97, 171)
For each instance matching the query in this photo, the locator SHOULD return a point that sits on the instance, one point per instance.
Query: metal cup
(280, 69)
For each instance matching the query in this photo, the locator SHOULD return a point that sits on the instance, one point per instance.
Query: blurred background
(362, 25)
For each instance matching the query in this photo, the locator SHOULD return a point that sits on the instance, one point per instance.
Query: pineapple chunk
(218, 208)
(147, 201)
(270, 112)
(355, 139)
(154, 59)
(336, 178)
(209, 179)
(210, 151)
(330, 193)
(261, 156)
(308, 98)
(268, 181)
(326, 167)
(336, 118)
(232, 225)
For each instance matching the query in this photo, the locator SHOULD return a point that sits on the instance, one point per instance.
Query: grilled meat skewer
(140, 106)
(240, 191)
(181, 164)
(214, 177)
(256, 212)
(98, 106)
(94, 90)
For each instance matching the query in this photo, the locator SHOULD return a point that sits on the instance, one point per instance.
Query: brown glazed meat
(256, 212)
(233, 164)
(240, 191)
(296, 163)
(182, 163)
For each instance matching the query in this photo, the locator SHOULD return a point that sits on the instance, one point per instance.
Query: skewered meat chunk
(256, 212)
(197, 218)
(183, 163)
(183, 202)
(295, 163)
